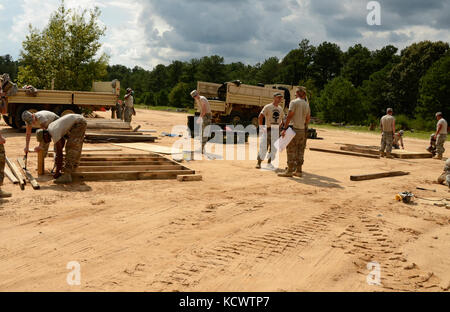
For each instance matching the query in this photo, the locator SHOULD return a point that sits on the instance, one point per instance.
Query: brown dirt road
(240, 229)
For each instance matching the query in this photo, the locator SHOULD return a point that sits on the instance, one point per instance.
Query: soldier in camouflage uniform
(205, 115)
(387, 125)
(440, 135)
(445, 176)
(300, 115)
(67, 131)
(3, 194)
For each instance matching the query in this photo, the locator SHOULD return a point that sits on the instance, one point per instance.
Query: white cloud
(1, 7)
(150, 32)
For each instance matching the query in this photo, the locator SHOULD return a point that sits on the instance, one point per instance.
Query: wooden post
(41, 163)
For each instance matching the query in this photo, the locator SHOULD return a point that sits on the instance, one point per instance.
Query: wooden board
(89, 163)
(16, 173)
(186, 178)
(374, 150)
(93, 149)
(132, 168)
(378, 175)
(11, 176)
(410, 155)
(129, 175)
(150, 148)
(118, 138)
(355, 149)
(28, 174)
(344, 153)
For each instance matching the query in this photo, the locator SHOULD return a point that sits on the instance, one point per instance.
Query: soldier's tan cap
(301, 89)
(277, 94)
(194, 93)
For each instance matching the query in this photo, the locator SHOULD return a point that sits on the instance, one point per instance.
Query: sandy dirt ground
(240, 229)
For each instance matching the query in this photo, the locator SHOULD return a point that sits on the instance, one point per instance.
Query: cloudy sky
(151, 32)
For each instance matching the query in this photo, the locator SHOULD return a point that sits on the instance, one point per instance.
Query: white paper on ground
(283, 142)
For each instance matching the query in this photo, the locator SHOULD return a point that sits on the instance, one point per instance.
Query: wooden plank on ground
(154, 148)
(129, 175)
(16, 173)
(373, 176)
(92, 149)
(123, 158)
(11, 176)
(118, 138)
(133, 168)
(355, 149)
(28, 174)
(344, 153)
(186, 178)
(123, 163)
(402, 154)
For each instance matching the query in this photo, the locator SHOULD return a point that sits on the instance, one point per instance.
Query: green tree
(327, 63)
(375, 92)
(211, 69)
(435, 89)
(65, 50)
(405, 76)
(269, 71)
(8, 66)
(180, 96)
(357, 64)
(340, 102)
(296, 64)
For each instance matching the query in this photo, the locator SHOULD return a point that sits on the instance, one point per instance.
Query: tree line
(353, 86)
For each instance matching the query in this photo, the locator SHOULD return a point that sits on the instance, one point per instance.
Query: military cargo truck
(104, 95)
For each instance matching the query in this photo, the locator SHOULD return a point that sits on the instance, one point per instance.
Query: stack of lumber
(114, 131)
(374, 150)
(101, 167)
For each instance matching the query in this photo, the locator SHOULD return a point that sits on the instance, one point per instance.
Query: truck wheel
(65, 110)
(18, 123)
(6, 119)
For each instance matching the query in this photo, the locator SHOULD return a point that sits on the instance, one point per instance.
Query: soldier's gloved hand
(57, 175)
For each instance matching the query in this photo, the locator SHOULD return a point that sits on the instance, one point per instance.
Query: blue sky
(150, 32)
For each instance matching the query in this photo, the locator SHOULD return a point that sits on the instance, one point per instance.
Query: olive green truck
(104, 96)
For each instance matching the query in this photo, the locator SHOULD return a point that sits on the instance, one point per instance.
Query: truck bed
(56, 97)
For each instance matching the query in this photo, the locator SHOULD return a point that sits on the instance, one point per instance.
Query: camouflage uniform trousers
(207, 119)
(267, 146)
(296, 150)
(2, 163)
(441, 138)
(127, 114)
(119, 111)
(445, 176)
(386, 141)
(74, 146)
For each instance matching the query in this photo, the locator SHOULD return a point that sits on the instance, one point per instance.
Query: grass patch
(166, 108)
(424, 135)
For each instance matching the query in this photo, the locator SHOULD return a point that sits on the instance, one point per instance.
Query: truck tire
(63, 110)
(18, 123)
(6, 119)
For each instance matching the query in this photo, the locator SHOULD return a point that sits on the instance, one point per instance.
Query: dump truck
(104, 96)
